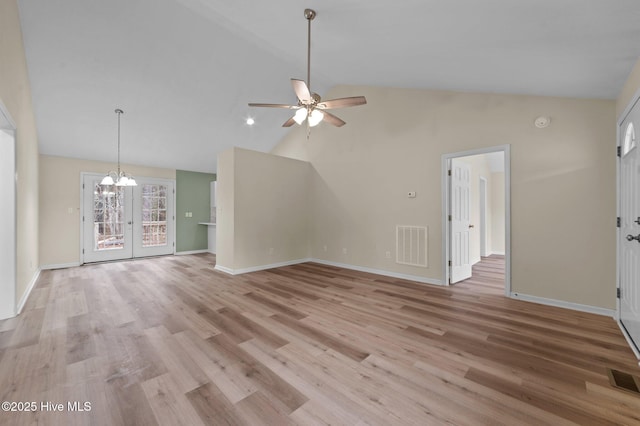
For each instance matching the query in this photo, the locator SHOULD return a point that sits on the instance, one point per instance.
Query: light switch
(411, 194)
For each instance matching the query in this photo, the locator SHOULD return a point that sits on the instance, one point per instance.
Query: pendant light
(119, 178)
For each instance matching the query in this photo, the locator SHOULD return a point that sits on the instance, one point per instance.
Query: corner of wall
(629, 90)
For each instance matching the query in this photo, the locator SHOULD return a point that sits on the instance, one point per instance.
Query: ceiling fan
(311, 108)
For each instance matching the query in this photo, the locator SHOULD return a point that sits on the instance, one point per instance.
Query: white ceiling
(184, 70)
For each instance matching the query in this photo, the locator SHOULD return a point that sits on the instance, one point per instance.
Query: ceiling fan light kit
(311, 108)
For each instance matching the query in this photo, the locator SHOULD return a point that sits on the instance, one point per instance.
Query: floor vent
(411, 245)
(624, 381)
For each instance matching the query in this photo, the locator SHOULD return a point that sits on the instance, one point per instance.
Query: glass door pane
(106, 220)
(108, 216)
(154, 215)
(153, 228)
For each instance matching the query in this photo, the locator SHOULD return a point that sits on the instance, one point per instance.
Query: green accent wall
(192, 195)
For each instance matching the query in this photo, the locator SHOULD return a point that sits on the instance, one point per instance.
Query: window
(629, 140)
(154, 215)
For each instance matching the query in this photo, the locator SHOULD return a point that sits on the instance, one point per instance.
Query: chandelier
(119, 178)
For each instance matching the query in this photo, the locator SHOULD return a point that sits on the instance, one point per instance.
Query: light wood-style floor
(171, 341)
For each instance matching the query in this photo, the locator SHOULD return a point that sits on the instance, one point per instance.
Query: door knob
(129, 223)
(637, 220)
(631, 237)
(470, 226)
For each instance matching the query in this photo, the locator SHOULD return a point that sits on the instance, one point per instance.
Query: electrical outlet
(344, 250)
(324, 248)
(388, 254)
(270, 250)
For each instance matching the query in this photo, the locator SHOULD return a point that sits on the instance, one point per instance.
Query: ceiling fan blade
(290, 122)
(302, 91)
(251, 104)
(332, 119)
(342, 102)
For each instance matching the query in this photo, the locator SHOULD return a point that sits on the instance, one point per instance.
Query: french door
(121, 222)
(629, 250)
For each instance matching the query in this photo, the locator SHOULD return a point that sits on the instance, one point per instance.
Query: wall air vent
(411, 245)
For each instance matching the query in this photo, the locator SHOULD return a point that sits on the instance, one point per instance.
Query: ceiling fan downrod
(309, 14)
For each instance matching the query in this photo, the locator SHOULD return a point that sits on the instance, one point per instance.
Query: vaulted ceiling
(184, 70)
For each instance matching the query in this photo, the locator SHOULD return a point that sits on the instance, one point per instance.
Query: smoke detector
(542, 122)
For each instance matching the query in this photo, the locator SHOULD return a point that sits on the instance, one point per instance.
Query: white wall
(563, 180)
(15, 93)
(7, 225)
(497, 213)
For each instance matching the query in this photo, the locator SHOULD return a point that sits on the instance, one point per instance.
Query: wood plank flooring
(170, 341)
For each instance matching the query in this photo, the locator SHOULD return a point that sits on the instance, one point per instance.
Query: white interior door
(460, 197)
(127, 222)
(106, 220)
(629, 250)
(7, 224)
(153, 217)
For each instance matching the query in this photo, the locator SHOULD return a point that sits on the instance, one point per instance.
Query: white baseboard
(416, 278)
(59, 266)
(567, 305)
(185, 253)
(499, 253)
(230, 271)
(25, 296)
(223, 269)
(629, 340)
(379, 272)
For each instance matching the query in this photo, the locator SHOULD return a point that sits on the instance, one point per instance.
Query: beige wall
(267, 197)
(225, 208)
(15, 93)
(629, 89)
(562, 182)
(60, 204)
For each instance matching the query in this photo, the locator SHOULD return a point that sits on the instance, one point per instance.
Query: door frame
(446, 209)
(139, 179)
(8, 288)
(635, 99)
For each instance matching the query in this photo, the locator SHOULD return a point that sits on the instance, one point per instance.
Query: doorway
(476, 212)
(121, 222)
(629, 227)
(7, 216)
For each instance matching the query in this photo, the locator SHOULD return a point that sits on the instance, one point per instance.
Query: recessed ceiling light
(251, 121)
